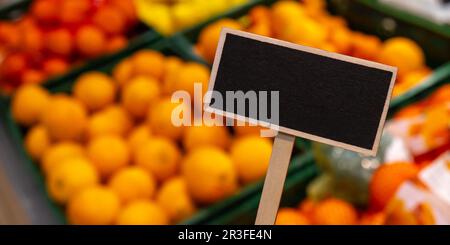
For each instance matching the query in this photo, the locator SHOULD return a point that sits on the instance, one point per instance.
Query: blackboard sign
(325, 97)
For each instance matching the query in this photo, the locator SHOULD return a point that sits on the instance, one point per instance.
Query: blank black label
(322, 96)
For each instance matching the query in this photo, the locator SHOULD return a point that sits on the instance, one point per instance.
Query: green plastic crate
(141, 37)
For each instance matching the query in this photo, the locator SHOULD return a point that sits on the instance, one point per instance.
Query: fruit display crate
(203, 216)
(386, 21)
(141, 36)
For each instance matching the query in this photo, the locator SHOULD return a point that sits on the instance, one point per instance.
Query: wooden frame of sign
(284, 141)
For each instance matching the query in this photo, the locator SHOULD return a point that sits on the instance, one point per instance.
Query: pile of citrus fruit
(55, 34)
(382, 209)
(308, 23)
(169, 16)
(111, 155)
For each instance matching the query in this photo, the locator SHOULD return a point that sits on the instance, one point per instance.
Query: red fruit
(90, 41)
(387, 179)
(13, 66)
(59, 42)
(110, 20)
(32, 39)
(74, 11)
(55, 66)
(33, 76)
(9, 35)
(127, 8)
(45, 11)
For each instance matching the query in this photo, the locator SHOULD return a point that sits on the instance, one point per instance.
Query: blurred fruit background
(87, 138)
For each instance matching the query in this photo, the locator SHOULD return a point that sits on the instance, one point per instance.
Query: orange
(74, 11)
(160, 118)
(190, 74)
(65, 118)
(209, 174)
(315, 7)
(159, 156)
(90, 41)
(197, 136)
(441, 95)
(410, 111)
(108, 153)
(111, 120)
(45, 11)
(132, 183)
(259, 14)
(32, 76)
(32, 39)
(398, 90)
(171, 68)
(110, 19)
(174, 198)
(365, 46)
(59, 42)
(285, 13)
(55, 66)
(307, 207)
(263, 29)
(247, 130)
(342, 40)
(436, 125)
(123, 71)
(9, 35)
(37, 141)
(387, 179)
(150, 63)
(95, 90)
(139, 94)
(13, 66)
(306, 32)
(142, 212)
(333, 211)
(413, 78)
(330, 22)
(251, 157)
(209, 37)
(28, 104)
(291, 216)
(127, 7)
(69, 177)
(403, 53)
(60, 152)
(93, 206)
(378, 218)
(138, 136)
(116, 43)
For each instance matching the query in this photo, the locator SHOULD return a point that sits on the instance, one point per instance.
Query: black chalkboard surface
(323, 96)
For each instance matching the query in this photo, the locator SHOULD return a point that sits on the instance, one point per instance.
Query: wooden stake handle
(274, 182)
